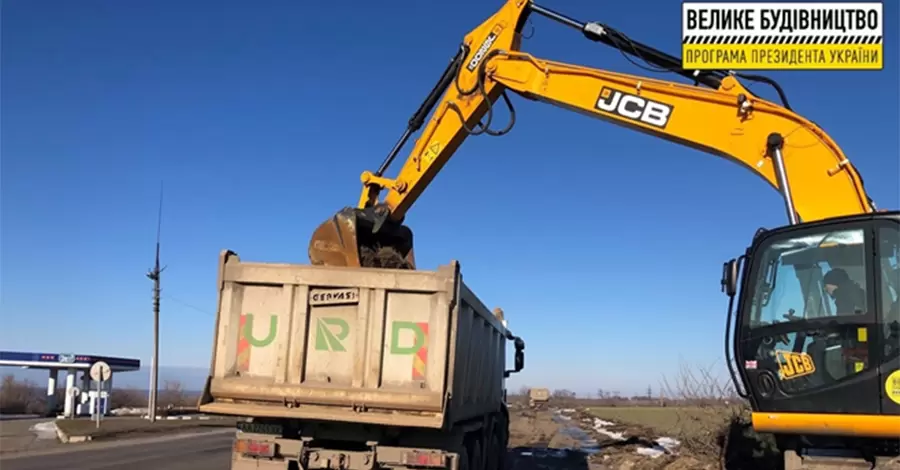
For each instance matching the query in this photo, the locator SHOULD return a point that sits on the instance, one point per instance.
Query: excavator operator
(848, 296)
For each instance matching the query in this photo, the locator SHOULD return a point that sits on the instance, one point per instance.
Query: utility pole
(154, 275)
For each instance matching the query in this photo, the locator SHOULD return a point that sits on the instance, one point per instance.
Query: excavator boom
(717, 115)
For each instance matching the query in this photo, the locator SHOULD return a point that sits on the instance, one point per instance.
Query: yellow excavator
(813, 324)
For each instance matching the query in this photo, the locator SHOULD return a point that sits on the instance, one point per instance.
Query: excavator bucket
(354, 238)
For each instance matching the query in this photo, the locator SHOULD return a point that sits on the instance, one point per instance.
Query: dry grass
(706, 415)
(23, 397)
(26, 397)
(694, 406)
(665, 420)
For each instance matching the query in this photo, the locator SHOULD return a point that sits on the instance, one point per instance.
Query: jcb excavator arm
(722, 118)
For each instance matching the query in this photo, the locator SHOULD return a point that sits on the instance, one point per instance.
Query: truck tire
(476, 452)
(495, 452)
(463, 458)
(503, 434)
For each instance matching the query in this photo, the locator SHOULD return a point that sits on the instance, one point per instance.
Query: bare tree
(22, 397)
(129, 398)
(172, 395)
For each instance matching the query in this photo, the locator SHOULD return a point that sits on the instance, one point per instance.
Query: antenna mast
(154, 275)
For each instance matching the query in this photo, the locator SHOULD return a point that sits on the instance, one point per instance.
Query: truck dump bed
(539, 394)
(379, 346)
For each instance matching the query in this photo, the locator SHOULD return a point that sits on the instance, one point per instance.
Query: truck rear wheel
(477, 455)
(463, 458)
(495, 452)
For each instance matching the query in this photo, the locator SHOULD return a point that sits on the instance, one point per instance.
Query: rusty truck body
(358, 368)
(538, 397)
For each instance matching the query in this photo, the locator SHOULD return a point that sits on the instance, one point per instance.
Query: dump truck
(538, 397)
(358, 368)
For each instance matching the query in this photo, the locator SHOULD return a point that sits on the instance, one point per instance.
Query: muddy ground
(550, 440)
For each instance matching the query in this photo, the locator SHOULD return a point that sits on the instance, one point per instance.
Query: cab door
(796, 351)
(888, 278)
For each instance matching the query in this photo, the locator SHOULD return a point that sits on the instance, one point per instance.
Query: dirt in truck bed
(382, 257)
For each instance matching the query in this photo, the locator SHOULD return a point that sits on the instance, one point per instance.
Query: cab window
(812, 276)
(798, 284)
(889, 270)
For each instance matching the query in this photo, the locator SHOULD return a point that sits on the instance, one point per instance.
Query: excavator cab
(816, 343)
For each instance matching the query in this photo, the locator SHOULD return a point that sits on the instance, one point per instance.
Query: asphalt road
(198, 451)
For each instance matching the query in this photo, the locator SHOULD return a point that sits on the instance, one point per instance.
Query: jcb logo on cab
(792, 365)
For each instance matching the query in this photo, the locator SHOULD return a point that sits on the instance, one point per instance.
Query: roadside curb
(107, 444)
(67, 439)
(169, 418)
(186, 417)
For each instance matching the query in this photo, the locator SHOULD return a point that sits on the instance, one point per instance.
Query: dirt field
(664, 420)
(537, 441)
(568, 440)
(625, 438)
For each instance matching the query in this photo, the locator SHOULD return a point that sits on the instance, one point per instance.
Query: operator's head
(835, 278)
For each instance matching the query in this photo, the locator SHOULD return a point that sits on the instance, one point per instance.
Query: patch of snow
(614, 435)
(663, 445)
(668, 443)
(128, 411)
(44, 430)
(651, 452)
(600, 427)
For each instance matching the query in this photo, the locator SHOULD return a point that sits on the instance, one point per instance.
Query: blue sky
(259, 117)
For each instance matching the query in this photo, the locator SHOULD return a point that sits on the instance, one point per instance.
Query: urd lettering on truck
(411, 339)
(331, 333)
(634, 107)
(333, 296)
(250, 337)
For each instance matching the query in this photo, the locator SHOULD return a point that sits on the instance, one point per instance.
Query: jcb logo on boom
(792, 365)
(634, 107)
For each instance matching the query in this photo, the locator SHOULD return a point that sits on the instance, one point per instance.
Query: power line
(188, 305)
